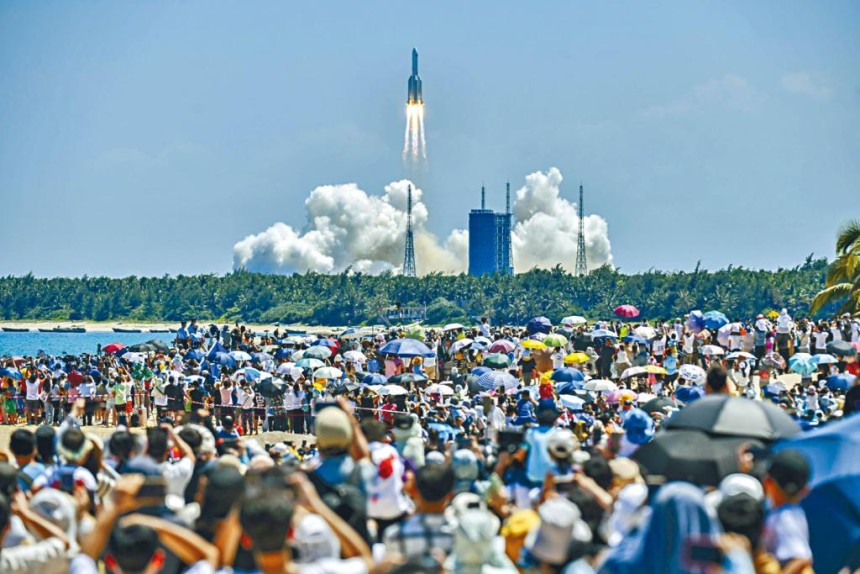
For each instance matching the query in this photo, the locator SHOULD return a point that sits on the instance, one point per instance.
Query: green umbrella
(415, 332)
(497, 361)
(555, 340)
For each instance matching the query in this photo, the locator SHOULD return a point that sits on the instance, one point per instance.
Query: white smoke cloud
(346, 228)
(546, 228)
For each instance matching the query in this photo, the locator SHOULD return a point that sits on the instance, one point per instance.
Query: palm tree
(843, 275)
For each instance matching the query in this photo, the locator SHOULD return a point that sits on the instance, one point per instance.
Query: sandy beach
(109, 326)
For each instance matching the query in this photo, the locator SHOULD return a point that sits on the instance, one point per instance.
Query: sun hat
(560, 523)
(333, 429)
(315, 540)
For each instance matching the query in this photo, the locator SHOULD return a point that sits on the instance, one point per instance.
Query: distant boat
(15, 330)
(161, 331)
(72, 329)
(125, 330)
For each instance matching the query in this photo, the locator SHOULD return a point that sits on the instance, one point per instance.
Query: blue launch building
(490, 239)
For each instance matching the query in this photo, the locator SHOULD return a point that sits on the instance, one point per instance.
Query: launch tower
(409, 255)
(581, 269)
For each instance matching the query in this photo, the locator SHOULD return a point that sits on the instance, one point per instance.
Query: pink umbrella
(618, 395)
(502, 346)
(627, 311)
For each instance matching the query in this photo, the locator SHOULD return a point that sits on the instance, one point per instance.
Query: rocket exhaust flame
(414, 145)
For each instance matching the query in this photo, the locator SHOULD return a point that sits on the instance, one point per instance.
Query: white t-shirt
(385, 497)
(177, 475)
(821, 340)
(32, 390)
(334, 566)
(786, 533)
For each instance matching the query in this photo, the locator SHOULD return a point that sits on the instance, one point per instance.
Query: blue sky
(150, 137)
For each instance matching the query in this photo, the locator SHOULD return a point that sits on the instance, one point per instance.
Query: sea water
(20, 344)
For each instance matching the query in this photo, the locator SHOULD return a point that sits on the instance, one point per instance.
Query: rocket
(413, 95)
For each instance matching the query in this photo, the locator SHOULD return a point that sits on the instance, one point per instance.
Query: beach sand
(108, 326)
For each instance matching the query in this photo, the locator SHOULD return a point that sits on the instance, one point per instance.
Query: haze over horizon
(148, 139)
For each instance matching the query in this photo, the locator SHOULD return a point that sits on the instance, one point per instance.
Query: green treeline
(349, 299)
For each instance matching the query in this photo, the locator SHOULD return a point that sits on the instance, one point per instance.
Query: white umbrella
(740, 355)
(574, 320)
(572, 402)
(645, 332)
(134, 357)
(355, 357)
(298, 355)
(644, 398)
(328, 373)
(439, 389)
(633, 372)
(240, 356)
(393, 390)
(460, 344)
(692, 373)
(453, 327)
(600, 385)
(713, 350)
(286, 368)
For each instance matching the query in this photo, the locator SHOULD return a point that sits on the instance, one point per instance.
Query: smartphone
(702, 554)
(510, 440)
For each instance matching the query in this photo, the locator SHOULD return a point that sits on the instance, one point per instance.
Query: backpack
(346, 499)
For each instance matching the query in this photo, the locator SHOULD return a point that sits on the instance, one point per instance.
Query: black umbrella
(404, 379)
(658, 404)
(841, 348)
(159, 345)
(142, 348)
(691, 455)
(583, 341)
(721, 415)
(271, 388)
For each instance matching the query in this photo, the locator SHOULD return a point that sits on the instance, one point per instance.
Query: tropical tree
(843, 276)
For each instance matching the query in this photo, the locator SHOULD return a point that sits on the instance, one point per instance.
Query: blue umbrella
(714, 320)
(215, 349)
(282, 353)
(11, 373)
(689, 394)
(539, 325)
(373, 379)
(195, 354)
(407, 348)
(325, 343)
(569, 387)
(446, 432)
(833, 450)
(802, 364)
(252, 374)
(567, 375)
(635, 339)
(261, 357)
(840, 382)
(833, 513)
(824, 359)
(696, 321)
(497, 379)
(224, 359)
(478, 371)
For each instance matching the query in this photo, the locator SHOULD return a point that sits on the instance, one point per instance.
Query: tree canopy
(354, 298)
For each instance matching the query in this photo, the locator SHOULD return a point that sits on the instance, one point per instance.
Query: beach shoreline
(110, 326)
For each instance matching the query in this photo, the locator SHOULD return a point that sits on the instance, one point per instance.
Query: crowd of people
(625, 446)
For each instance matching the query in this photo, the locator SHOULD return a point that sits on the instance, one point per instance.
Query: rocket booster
(413, 95)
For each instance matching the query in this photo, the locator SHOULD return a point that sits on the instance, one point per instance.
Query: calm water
(69, 343)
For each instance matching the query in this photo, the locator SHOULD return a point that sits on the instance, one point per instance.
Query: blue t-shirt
(670, 363)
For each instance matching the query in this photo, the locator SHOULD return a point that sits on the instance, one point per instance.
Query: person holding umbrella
(786, 533)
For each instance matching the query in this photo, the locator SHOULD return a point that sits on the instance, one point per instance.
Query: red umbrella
(113, 347)
(627, 311)
(75, 378)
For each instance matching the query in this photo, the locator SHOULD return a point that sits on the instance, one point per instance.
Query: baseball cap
(333, 429)
(733, 485)
(789, 468)
(561, 443)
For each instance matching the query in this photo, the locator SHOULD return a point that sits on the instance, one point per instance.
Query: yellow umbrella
(655, 369)
(575, 358)
(533, 344)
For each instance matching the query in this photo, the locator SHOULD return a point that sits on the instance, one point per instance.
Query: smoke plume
(348, 228)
